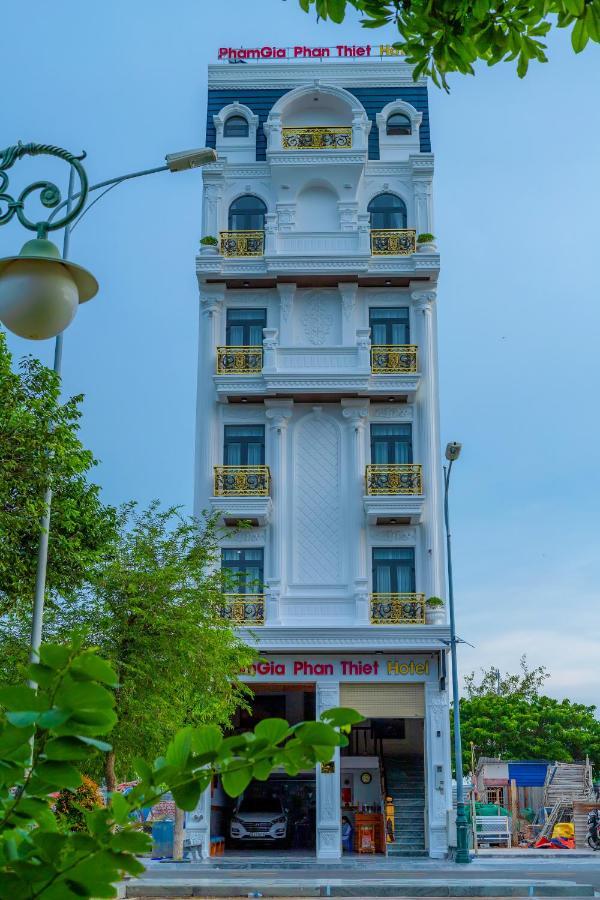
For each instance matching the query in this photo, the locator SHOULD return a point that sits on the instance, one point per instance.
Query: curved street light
(40, 289)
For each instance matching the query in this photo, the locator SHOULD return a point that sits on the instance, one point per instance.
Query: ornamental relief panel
(319, 317)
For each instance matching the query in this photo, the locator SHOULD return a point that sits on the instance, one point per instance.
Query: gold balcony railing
(316, 138)
(388, 359)
(239, 360)
(394, 478)
(397, 609)
(245, 609)
(393, 242)
(242, 243)
(242, 481)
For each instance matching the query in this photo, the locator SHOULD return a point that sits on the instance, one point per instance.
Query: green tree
(68, 720)
(513, 727)
(39, 444)
(525, 684)
(155, 608)
(448, 36)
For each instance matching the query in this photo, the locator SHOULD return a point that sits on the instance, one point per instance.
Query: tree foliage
(525, 684)
(68, 719)
(449, 36)
(155, 609)
(70, 806)
(40, 445)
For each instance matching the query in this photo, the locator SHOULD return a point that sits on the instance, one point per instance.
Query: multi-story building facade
(317, 420)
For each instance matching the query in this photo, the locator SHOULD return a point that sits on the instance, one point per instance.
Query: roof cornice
(288, 75)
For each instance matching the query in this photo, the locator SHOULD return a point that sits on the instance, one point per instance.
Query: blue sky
(516, 196)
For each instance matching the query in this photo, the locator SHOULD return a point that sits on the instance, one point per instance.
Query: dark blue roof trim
(373, 100)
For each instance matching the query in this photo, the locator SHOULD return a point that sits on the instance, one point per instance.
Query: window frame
(389, 322)
(396, 132)
(244, 324)
(390, 443)
(258, 212)
(244, 444)
(394, 575)
(240, 567)
(238, 117)
(387, 212)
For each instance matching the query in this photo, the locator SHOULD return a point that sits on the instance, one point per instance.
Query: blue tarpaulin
(528, 774)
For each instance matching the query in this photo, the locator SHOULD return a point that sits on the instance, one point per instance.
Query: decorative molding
(286, 299)
(317, 316)
(348, 291)
(244, 536)
(395, 73)
(392, 412)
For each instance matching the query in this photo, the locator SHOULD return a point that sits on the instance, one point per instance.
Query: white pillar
(437, 761)
(356, 412)
(348, 292)
(278, 413)
(423, 207)
(210, 210)
(286, 293)
(427, 406)
(329, 818)
(211, 302)
(197, 824)
(269, 350)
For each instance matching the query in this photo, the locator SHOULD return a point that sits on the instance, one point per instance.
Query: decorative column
(197, 824)
(211, 304)
(329, 816)
(286, 292)
(364, 234)
(210, 209)
(278, 413)
(270, 234)
(348, 213)
(437, 758)
(363, 344)
(269, 350)
(356, 412)
(427, 406)
(348, 292)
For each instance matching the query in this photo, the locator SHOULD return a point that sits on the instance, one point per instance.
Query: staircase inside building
(405, 784)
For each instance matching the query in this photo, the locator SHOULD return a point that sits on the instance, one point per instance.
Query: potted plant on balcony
(434, 611)
(208, 245)
(426, 243)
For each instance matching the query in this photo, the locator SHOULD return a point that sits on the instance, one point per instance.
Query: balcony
(316, 138)
(393, 494)
(239, 360)
(245, 609)
(275, 371)
(242, 243)
(397, 609)
(242, 494)
(393, 360)
(393, 242)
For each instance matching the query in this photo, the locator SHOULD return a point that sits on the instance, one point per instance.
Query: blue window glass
(246, 570)
(393, 570)
(236, 126)
(247, 213)
(398, 123)
(244, 327)
(389, 326)
(387, 211)
(244, 445)
(391, 444)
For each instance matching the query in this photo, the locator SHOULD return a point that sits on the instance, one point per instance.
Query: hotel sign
(379, 667)
(340, 51)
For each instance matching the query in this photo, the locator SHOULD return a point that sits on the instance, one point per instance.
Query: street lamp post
(462, 827)
(40, 290)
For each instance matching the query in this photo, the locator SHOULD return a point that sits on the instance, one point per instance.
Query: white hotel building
(317, 422)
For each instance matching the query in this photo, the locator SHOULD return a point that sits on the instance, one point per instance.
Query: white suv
(259, 818)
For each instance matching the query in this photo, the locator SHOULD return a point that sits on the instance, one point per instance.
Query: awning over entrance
(389, 701)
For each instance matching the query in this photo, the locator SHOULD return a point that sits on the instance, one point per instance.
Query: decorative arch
(398, 146)
(236, 109)
(247, 213)
(387, 210)
(348, 111)
(400, 106)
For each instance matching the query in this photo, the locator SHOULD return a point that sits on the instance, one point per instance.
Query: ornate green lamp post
(40, 290)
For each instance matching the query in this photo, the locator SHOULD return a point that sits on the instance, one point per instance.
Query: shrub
(433, 602)
(70, 805)
(209, 241)
(425, 238)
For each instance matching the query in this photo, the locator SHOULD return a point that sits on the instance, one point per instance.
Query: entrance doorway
(277, 815)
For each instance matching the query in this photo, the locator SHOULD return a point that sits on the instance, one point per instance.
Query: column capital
(424, 299)
(356, 412)
(279, 412)
(212, 297)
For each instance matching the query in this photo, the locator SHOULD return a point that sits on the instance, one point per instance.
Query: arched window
(398, 123)
(247, 213)
(235, 126)
(387, 211)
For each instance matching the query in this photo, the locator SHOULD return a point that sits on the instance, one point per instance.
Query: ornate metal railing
(393, 242)
(245, 609)
(239, 360)
(387, 359)
(242, 243)
(242, 481)
(397, 609)
(394, 478)
(316, 138)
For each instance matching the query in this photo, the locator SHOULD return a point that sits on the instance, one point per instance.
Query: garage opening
(383, 771)
(277, 815)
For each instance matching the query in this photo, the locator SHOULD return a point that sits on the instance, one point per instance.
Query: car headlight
(235, 821)
(280, 821)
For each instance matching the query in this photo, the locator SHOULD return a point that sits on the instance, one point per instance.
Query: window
(387, 211)
(244, 327)
(394, 570)
(247, 213)
(391, 444)
(244, 445)
(398, 123)
(236, 126)
(389, 326)
(246, 569)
